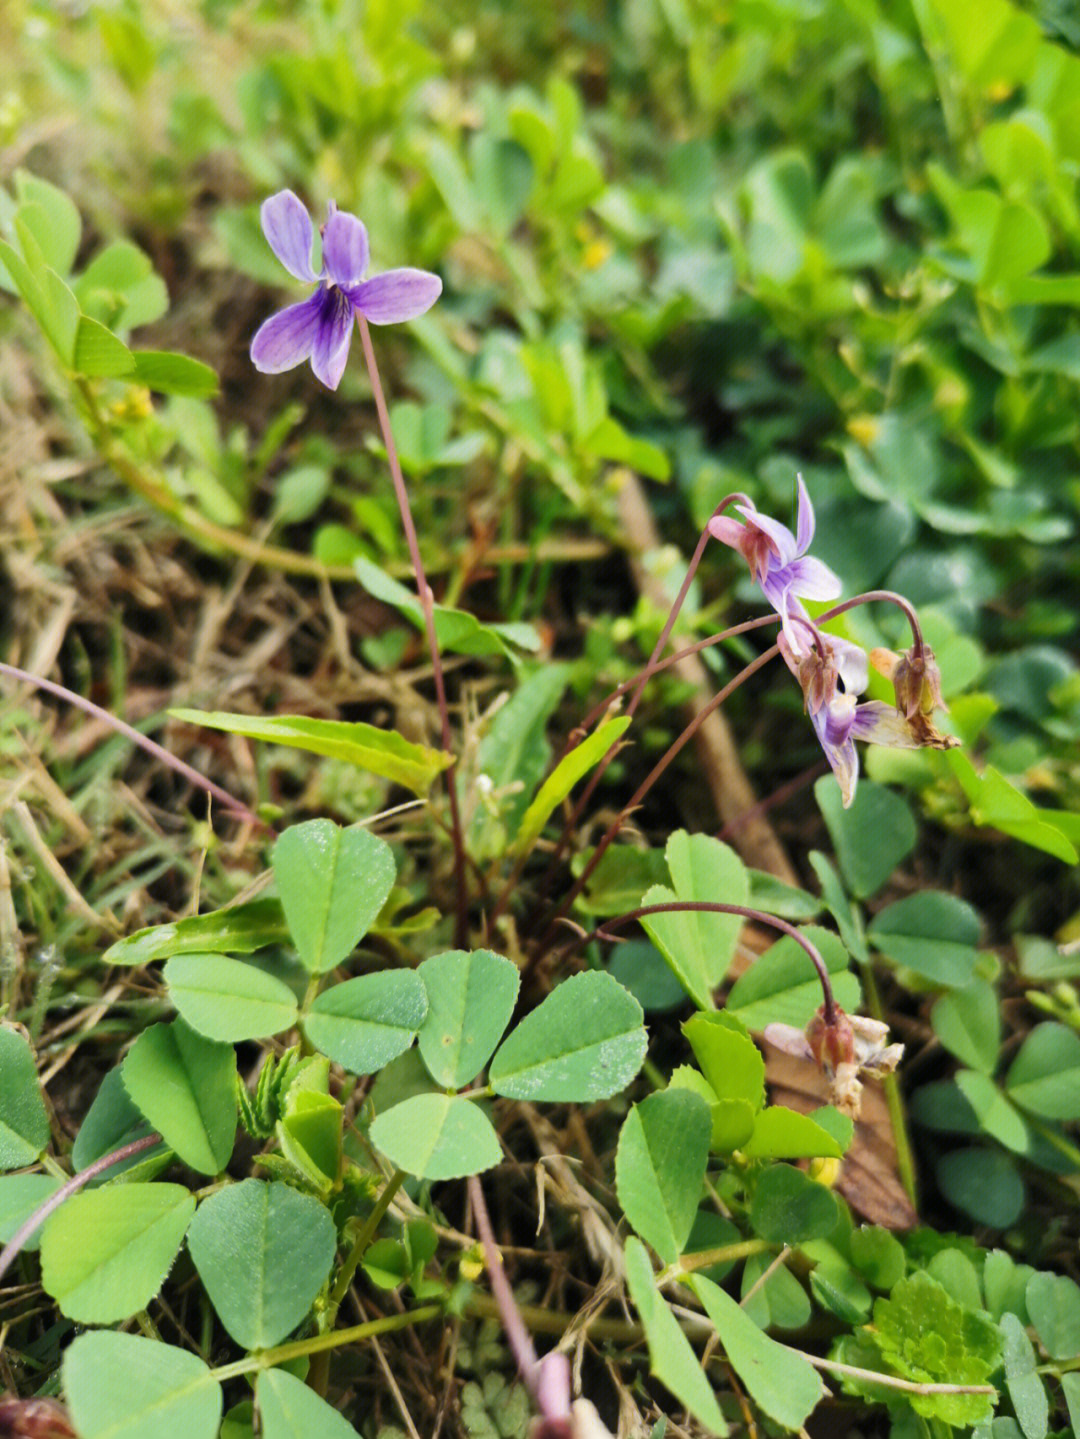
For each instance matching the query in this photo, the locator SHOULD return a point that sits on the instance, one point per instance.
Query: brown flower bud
(831, 1044)
(34, 1419)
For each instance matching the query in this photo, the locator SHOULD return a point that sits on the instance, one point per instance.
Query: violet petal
(287, 338)
(804, 524)
(332, 336)
(287, 227)
(396, 295)
(812, 579)
(345, 249)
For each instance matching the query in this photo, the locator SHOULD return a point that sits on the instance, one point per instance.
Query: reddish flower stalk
(647, 783)
(829, 1008)
(427, 605)
(54, 1201)
(233, 806)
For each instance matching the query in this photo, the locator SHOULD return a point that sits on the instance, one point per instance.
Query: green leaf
(291, 1409)
(732, 1119)
(1053, 1305)
(186, 1087)
(364, 1023)
(24, 1120)
(97, 353)
(581, 759)
(164, 1390)
(871, 837)
(836, 1286)
(238, 930)
(226, 999)
(924, 1335)
(263, 1251)
(1026, 1389)
(333, 883)
(471, 998)
(455, 630)
(437, 1136)
(105, 1253)
(52, 217)
(983, 1183)
(967, 1021)
(995, 1114)
(878, 1256)
(111, 1122)
(1045, 1075)
(585, 1041)
(932, 933)
(847, 915)
(784, 900)
(671, 1358)
(515, 752)
(729, 1059)
(782, 987)
(379, 751)
(779, 1381)
(20, 1196)
(60, 317)
(698, 947)
(1005, 1285)
(781, 1133)
(660, 1166)
(170, 374)
(789, 1208)
(997, 803)
(1070, 1387)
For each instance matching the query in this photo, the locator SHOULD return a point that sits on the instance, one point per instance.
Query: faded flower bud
(852, 1045)
(916, 681)
(34, 1419)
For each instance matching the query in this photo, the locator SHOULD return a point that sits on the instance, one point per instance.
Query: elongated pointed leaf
(437, 1136)
(660, 1165)
(263, 1252)
(163, 1390)
(779, 1381)
(226, 999)
(671, 1358)
(186, 1087)
(585, 1041)
(781, 1133)
(471, 997)
(332, 883)
(106, 1252)
(24, 1122)
(239, 930)
(379, 751)
(171, 374)
(290, 1409)
(366, 1022)
(563, 778)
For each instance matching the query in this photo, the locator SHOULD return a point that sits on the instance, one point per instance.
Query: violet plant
(339, 1199)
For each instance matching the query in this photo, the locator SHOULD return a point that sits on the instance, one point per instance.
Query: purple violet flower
(778, 560)
(320, 327)
(839, 719)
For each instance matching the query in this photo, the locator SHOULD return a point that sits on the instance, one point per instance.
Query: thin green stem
(905, 1157)
(706, 1258)
(363, 1239)
(427, 606)
(336, 1338)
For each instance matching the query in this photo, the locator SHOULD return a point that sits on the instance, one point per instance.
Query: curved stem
(427, 605)
(888, 597)
(578, 733)
(233, 805)
(692, 906)
(517, 1335)
(54, 1201)
(645, 675)
(647, 784)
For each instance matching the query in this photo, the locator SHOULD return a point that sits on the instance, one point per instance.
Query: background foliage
(692, 247)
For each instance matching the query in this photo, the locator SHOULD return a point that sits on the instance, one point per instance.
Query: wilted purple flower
(831, 686)
(778, 560)
(320, 327)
